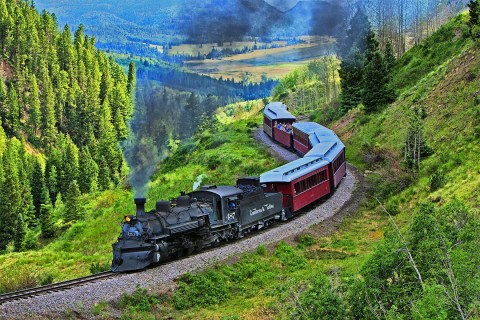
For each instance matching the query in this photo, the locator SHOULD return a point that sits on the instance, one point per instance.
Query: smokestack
(140, 204)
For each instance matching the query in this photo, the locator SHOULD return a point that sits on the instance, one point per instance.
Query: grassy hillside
(441, 77)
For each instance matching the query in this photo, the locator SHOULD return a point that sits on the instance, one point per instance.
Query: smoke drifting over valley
(219, 21)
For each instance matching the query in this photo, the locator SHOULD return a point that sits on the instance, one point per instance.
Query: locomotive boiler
(192, 222)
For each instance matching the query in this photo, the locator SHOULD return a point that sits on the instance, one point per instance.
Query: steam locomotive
(213, 214)
(192, 222)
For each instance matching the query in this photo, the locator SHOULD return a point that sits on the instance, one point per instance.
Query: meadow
(274, 62)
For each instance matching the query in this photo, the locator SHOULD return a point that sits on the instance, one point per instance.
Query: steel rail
(54, 287)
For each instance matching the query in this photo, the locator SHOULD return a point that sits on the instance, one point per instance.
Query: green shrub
(291, 258)
(203, 289)
(17, 278)
(261, 250)
(46, 278)
(97, 267)
(139, 300)
(320, 301)
(437, 180)
(305, 240)
(31, 240)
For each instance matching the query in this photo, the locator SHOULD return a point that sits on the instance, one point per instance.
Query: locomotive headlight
(127, 218)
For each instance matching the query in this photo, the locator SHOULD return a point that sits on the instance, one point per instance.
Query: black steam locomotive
(192, 222)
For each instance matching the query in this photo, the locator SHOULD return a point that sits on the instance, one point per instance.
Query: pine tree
(121, 110)
(39, 188)
(72, 202)
(356, 51)
(35, 116)
(351, 73)
(5, 25)
(389, 57)
(52, 182)
(104, 180)
(474, 21)
(9, 195)
(20, 230)
(13, 121)
(48, 111)
(3, 102)
(69, 165)
(357, 33)
(108, 144)
(88, 172)
(376, 93)
(132, 79)
(46, 221)
(26, 208)
(371, 46)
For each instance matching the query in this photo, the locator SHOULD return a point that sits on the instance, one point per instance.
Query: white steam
(198, 183)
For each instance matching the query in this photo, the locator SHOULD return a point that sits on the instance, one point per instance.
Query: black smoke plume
(219, 21)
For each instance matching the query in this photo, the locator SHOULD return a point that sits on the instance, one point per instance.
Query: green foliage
(305, 240)
(30, 241)
(46, 221)
(311, 87)
(72, 202)
(10, 197)
(97, 267)
(203, 289)
(291, 258)
(47, 97)
(320, 301)
(426, 57)
(433, 239)
(14, 279)
(474, 19)
(139, 300)
(261, 250)
(416, 146)
(376, 93)
(20, 230)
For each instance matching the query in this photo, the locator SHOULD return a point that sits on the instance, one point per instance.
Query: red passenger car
(306, 135)
(277, 123)
(334, 153)
(301, 182)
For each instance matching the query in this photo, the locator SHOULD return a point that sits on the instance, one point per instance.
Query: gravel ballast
(82, 299)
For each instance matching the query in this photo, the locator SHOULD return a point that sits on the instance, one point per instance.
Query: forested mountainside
(64, 107)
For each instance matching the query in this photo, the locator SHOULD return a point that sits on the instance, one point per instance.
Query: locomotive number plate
(131, 234)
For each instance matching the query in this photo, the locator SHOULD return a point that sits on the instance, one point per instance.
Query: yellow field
(204, 49)
(274, 62)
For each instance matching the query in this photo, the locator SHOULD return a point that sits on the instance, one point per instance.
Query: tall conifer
(9, 195)
(35, 116)
(38, 187)
(474, 20)
(13, 116)
(4, 109)
(72, 202)
(20, 231)
(88, 172)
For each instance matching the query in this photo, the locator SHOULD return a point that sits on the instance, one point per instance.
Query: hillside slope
(439, 79)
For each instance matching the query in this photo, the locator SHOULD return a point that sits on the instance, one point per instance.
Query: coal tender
(192, 222)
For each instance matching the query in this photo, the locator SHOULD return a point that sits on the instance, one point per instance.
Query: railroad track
(55, 287)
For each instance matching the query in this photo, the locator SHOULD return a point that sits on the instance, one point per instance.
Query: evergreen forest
(64, 107)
